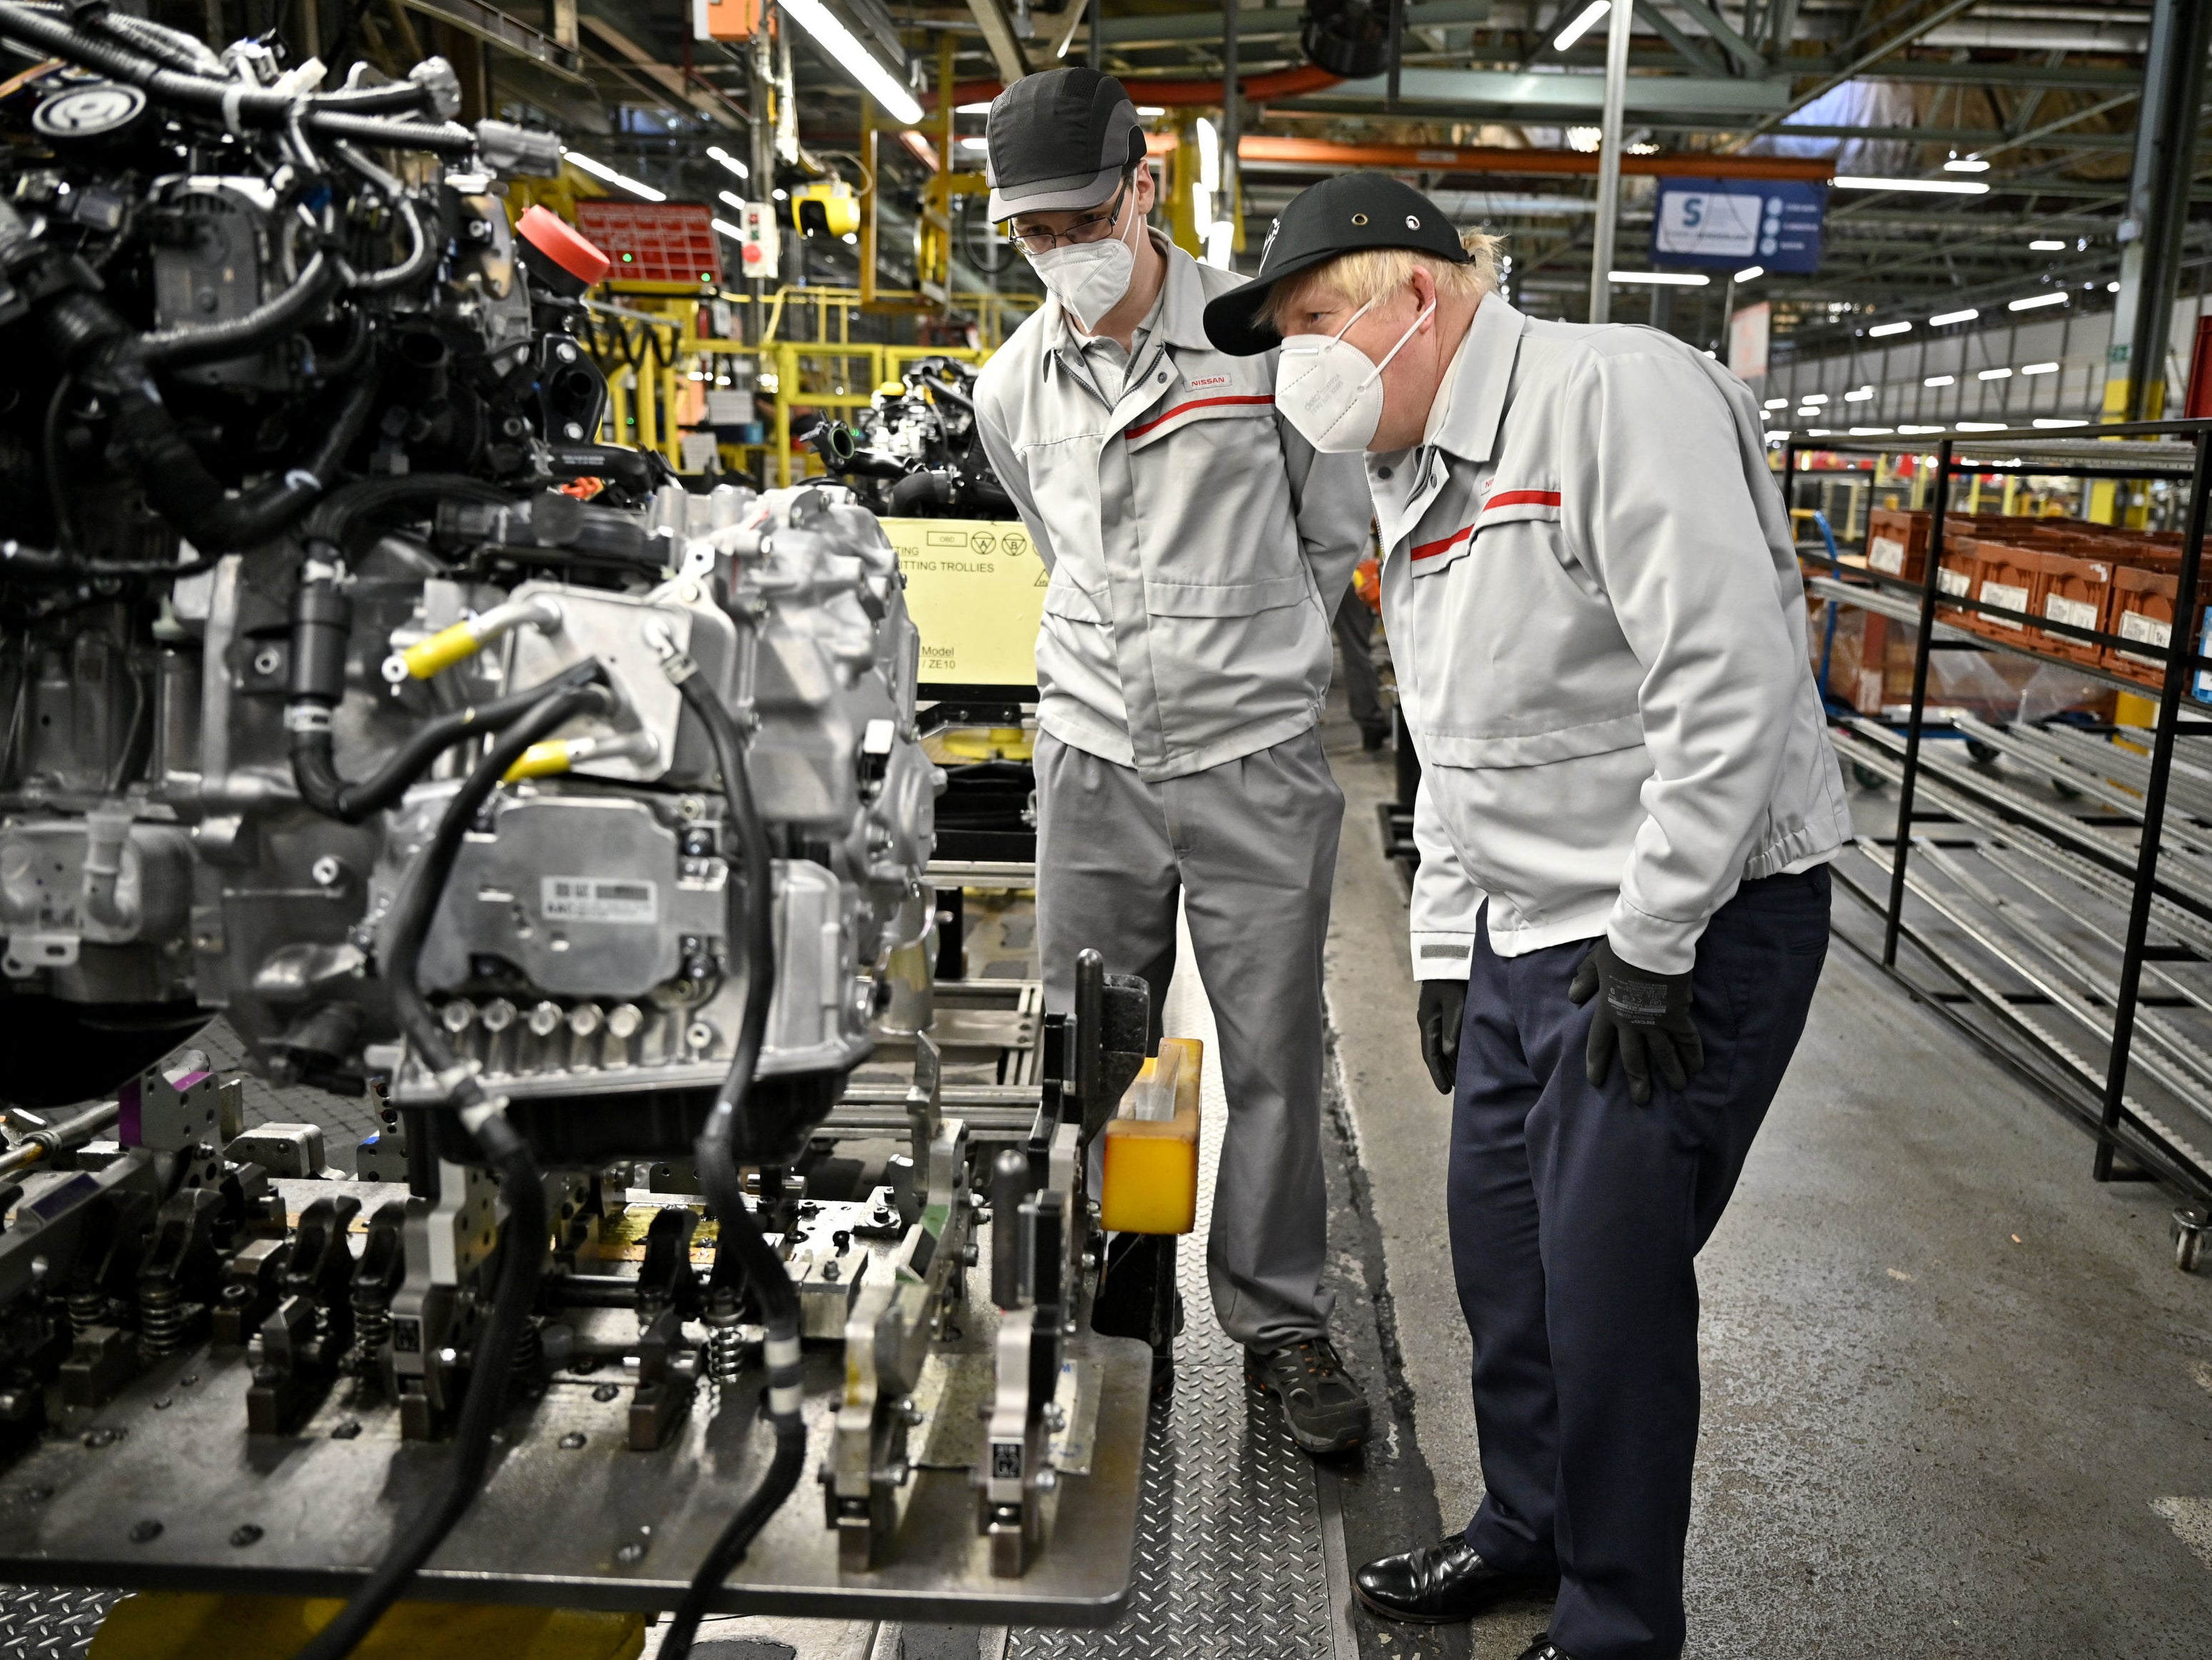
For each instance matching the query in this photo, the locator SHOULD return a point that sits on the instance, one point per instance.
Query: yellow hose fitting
(543, 760)
(441, 650)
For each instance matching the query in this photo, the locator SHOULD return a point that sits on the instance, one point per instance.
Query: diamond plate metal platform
(38, 1622)
(1231, 1560)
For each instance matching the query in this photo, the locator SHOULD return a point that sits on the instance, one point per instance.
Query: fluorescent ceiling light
(2055, 297)
(1776, 403)
(970, 142)
(1881, 329)
(1966, 164)
(729, 230)
(983, 108)
(1220, 244)
(2040, 368)
(1981, 426)
(1584, 22)
(1680, 279)
(1209, 157)
(1817, 432)
(729, 162)
(1941, 381)
(621, 181)
(2047, 421)
(1939, 186)
(2046, 245)
(1776, 435)
(1919, 432)
(1859, 395)
(2112, 287)
(733, 198)
(1751, 273)
(1870, 432)
(1816, 399)
(857, 61)
(1994, 375)
(1943, 319)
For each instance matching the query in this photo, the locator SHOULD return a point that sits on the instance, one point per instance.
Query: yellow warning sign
(976, 590)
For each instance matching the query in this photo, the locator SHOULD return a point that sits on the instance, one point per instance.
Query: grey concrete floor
(1958, 1399)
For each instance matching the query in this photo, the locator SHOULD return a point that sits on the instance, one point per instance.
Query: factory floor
(1958, 1399)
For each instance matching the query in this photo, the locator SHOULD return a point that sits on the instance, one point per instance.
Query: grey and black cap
(1059, 141)
(1348, 214)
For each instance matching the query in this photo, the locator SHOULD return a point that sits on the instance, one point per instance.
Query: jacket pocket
(1602, 736)
(1223, 598)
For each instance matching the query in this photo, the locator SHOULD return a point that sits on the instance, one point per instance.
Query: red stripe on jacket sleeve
(1198, 403)
(1523, 499)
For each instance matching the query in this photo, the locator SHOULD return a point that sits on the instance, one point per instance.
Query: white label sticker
(1886, 554)
(2138, 625)
(2004, 595)
(1953, 582)
(598, 899)
(2074, 613)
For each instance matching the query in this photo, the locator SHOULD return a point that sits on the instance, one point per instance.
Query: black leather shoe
(1544, 1648)
(1439, 1584)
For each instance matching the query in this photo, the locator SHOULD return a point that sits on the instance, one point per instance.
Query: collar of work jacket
(1177, 318)
(1463, 424)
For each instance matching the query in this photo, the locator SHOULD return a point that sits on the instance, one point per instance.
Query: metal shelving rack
(2051, 852)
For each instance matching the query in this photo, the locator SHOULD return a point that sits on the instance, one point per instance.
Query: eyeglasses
(1083, 230)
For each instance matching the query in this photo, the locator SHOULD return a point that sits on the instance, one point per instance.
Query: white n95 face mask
(1326, 388)
(1088, 278)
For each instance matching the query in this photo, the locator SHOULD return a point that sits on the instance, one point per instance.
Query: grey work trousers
(1250, 846)
(1362, 680)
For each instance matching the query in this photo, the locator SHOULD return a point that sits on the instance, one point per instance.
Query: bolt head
(246, 1534)
(145, 1532)
(327, 870)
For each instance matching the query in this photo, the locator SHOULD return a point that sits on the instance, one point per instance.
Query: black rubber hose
(100, 351)
(342, 518)
(752, 951)
(209, 343)
(522, 1242)
(422, 248)
(332, 114)
(314, 768)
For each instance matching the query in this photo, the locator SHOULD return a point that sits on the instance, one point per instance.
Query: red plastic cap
(552, 236)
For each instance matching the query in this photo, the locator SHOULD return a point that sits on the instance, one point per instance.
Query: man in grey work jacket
(1627, 806)
(1197, 547)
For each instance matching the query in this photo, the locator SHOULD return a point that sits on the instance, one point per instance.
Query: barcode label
(598, 899)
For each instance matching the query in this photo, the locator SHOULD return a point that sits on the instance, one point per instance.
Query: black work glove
(1443, 1002)
(1646, 1014)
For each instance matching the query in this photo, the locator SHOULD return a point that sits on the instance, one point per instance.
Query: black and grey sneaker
(1322, 1402)
(1545, 1649)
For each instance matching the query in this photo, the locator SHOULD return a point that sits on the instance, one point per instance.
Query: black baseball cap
(1059, 141)
(1348, 214)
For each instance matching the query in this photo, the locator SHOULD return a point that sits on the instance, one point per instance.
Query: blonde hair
(1371, 273)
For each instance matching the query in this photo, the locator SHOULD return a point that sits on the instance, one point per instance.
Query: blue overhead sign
(1724, 224)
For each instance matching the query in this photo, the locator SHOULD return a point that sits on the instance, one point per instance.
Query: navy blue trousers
(1577, 1217)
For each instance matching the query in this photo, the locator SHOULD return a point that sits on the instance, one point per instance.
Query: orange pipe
(1182, 95)
(1322, 152)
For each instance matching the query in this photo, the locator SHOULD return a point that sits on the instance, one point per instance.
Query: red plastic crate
(655, 241)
